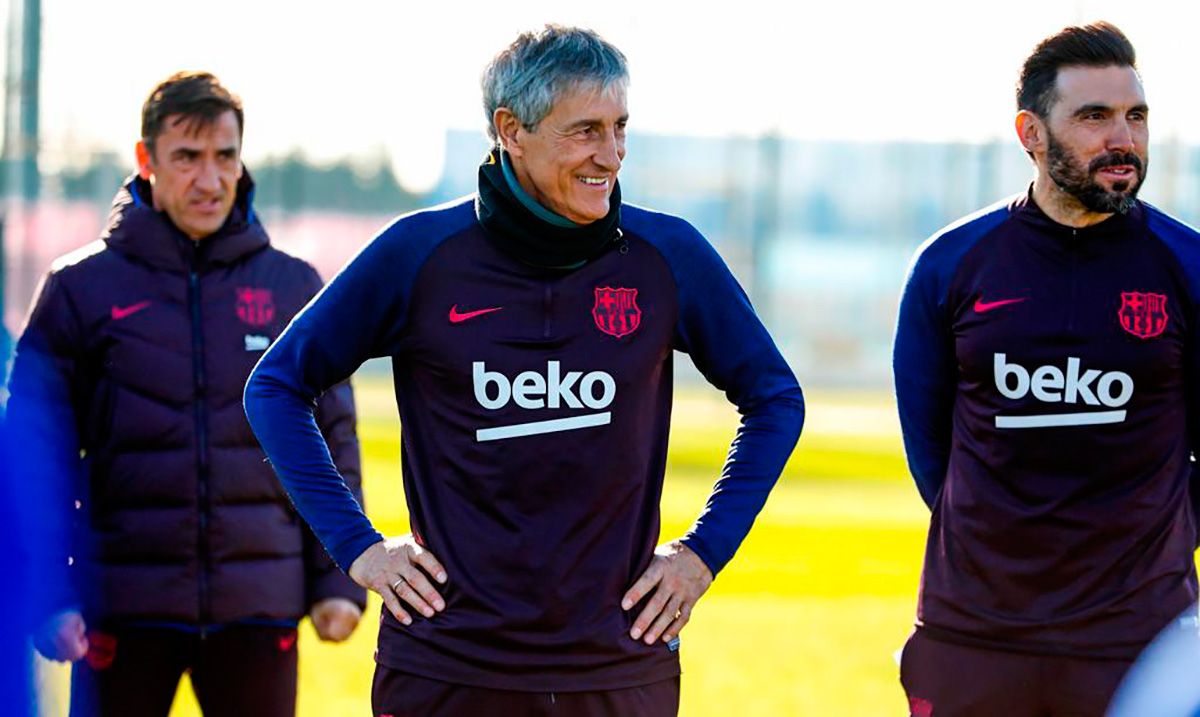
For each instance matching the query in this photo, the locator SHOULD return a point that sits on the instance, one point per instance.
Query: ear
(143, 159)
(509, 130)
(1030, 132)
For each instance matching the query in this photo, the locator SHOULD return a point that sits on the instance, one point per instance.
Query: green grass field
(804, 621)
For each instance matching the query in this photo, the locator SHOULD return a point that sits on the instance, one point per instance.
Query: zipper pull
(620, 237)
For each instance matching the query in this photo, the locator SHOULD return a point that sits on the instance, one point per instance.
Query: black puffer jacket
(134, 357)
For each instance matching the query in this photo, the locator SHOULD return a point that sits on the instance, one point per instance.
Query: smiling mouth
(1123, 171)
(594, 181)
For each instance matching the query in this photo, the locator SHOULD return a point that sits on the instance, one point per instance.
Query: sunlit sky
(350, 79)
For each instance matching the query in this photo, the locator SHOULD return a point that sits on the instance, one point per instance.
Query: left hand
(335, 618)
(681, 578)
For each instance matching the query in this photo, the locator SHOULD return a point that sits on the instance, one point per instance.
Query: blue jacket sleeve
(718, 328)
(358, 316)
(1184, 242)
(925, 378)
(44, 447)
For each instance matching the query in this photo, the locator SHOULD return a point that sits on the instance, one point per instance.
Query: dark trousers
(236, 671)
(942, 679)
(398, 694)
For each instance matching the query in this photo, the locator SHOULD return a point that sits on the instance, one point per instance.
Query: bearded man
(1045, 367)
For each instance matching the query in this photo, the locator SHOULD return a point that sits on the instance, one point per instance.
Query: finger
(412, 597)
(642, 587)
(665, 618)
(393, 605)
(676, 627)
(429, 563)
(417, 580)
(649, 613)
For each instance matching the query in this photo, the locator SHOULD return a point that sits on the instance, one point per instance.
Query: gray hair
(531, 74)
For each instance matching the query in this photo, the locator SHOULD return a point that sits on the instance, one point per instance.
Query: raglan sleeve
(337, 419)
(923, 369)
(1192, 383)
(358, 316)
(718, 328)
(43, 457)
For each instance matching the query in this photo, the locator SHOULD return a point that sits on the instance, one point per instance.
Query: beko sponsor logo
(532, 390)
(1051, 384)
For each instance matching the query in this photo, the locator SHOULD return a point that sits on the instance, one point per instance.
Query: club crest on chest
(1143, 314)
(616, 311)
(255, 307)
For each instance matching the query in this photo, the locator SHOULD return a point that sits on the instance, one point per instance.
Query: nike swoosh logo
(982, 307)
(458, 318)
(119, 312)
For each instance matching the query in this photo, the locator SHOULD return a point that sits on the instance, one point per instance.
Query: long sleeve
(43, 439)
(718, 328)
(923, 369)
(336, 417)
(358, 316)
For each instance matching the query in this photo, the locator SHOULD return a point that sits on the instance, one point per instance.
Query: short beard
(1078, 182)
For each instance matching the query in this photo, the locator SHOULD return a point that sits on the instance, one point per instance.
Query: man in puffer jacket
(181, 551)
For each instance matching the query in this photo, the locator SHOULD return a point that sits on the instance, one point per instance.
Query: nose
(1121, 136)
(610, 153)
(208, 178)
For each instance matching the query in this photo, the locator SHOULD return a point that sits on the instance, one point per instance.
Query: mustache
(1115, 159)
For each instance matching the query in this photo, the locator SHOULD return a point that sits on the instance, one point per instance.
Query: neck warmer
(520, 232)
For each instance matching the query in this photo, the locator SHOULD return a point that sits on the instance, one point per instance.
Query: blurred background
(816, 147)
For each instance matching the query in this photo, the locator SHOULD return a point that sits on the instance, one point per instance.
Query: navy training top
(536, 407)
(1046, 381)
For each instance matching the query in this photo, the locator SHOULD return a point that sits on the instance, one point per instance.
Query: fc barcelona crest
(616, 311)
(255, 307)
(1142, 314)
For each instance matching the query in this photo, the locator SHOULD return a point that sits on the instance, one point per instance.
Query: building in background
(820, 233)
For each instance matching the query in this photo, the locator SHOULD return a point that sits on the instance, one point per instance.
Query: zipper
(200, 416)
(1072, 272)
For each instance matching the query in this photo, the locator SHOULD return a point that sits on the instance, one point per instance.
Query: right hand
(390, 568)
(63, 637)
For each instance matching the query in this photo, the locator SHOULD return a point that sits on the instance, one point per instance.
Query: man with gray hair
(531, 330)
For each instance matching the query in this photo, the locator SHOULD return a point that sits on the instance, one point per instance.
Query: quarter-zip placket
(1073, 272)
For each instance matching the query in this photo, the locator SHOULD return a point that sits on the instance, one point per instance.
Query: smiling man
(186, 556)
(531, 330)
(1046, 367)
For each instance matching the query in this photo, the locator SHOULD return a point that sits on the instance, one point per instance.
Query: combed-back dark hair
(1100, 44)
(198, 98)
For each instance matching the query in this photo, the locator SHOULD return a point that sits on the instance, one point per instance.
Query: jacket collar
(1025, 209)
(135, 228)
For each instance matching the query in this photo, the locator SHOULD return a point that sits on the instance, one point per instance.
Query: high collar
(522, 234)
(135, 228)
(1116, 226)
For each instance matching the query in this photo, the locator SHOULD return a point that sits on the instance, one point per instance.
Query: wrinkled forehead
(1114, 86)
